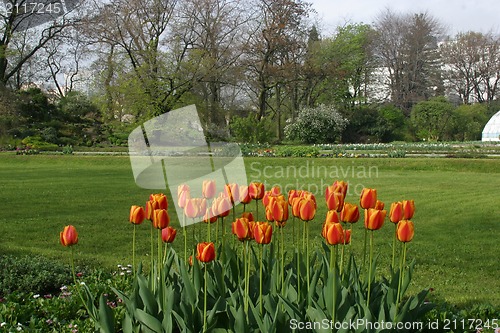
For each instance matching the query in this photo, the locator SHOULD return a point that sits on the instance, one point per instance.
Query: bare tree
(407, 49)
(472, 62)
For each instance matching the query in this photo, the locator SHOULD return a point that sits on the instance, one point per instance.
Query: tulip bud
(350, 213)
(161, 219)
(68, 236)
(408, 209)
(161, 199)
(335, 201)
(368, 198)
(396, 212)
(208, 189)
(262, 232)
(256, 190)
(244, 195)
(150, 208)
(374, 218)
(334, 234)
(232, 192)
(168, 234)
(307, 210)
(241, 229)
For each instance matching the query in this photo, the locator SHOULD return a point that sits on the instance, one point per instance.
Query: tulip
(341, 187)
(347, 236)
(374, 218)
(208, 189)
(161, 219)
(296, 202)
(209, 217)
(269, 214)
(332, 217)
(396, 212)
(279, 209)
(335, 201)
(408, 209)
(137, 215)
(182, 188)
(248, 215)
(349, 213)
(221, 206)
(263, 232)
(161, 199)
(232, 192)
(150, 208)
(307, 210)
(168, 234)
(191, 209)
(292, 194)
(244, 195)
(405, 231)
(275, 191)
(241, 229)
(379, 205)
(183, 198)
(368, 198)
(256, 190)
(205, 252)
(334, 234)
(68, 236)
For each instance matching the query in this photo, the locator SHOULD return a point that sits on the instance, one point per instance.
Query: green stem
(364, 248)
(307, 260)
(370, 269)
(245, 264)
(304, 239)
(298, 275)
(260, 280)
(335, 272)
(152, 248)
(394, 246)
(77, 287)
(209, 230)
(133, 250)
(282, 262)
(185, 237)
(401, 272)
(205, 302)
(165, 253)
(293, 231)
(256, 210)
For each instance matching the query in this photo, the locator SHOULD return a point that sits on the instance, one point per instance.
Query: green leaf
(106, 316)
(149, 321)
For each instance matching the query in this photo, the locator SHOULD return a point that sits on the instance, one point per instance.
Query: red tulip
(350, 213)
(296, 202)
(168, 234)
(209, 217)
(307, 209)
(150, 208)
(332, 217)
(408, 209)
(396, 212)
(292, 194)
(161, 219)
(379, 205)
(241, 229)
(374, 218)
(279, 208)
(405, 231)
(137, 215)
(262, 232)
(256, 190)
(208, 189)
(247, 215)
(335, 201)
(205, 252)
(68, 236)
(368, 198)
(347, 236)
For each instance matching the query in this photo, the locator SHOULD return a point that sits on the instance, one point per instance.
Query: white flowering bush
(321, 124)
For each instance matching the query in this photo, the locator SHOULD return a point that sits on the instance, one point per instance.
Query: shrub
(34, 274)
(251, 130)
(322, 124)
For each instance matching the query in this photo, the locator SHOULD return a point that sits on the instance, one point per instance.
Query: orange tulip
(374, 218)
(137, 215)
(405, 231)
(262, 232)
(296, 202)
(168, 234)
(350, 213)
(68, 236)
(161, 219)
(396, 212)
(379, 205)
(325, 227)
(334, 234)
(191, 209)
(256, 190)
(279, 208)
(241, 229)
(244, 195)
(408, 209)
(368, 198)
(269, 214)
(307, 209)
(332, 217)
(150, 208)
(335, 201)
(232, 192)
(292, 194)
(208, 189)
(340, 186)
(275, 191)
(161, 199)
(205, 252)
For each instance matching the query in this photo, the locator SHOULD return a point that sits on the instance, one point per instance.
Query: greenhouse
(491, 131)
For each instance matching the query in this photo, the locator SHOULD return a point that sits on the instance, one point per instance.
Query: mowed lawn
(457, 220)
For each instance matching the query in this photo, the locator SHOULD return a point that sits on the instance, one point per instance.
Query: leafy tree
(467, 122)
(431, 118)
(322, 124)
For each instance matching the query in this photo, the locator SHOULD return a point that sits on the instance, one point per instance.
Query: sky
(455, 15)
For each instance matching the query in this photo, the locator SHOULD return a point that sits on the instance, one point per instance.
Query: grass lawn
(457, 222)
